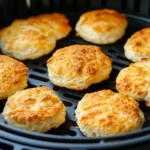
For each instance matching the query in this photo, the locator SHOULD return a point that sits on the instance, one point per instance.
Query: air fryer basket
(68, 136)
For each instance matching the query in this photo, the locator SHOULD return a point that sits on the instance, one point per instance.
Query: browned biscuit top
(58, 22)
(139, 42)
(106, 112)
(78, 60)
(12, 73)
(134, 80)
(104, 20)
(35, 104)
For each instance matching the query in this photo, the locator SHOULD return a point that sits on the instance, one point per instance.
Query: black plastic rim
(68, 135)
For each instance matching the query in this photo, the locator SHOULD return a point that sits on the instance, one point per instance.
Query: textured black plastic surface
(68, 136)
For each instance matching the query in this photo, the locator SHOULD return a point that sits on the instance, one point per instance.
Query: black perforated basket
(68, 136)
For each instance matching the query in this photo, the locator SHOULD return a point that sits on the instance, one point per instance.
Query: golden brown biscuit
(1, 32)
(137, 46)
(13, 76)
(36, 109)
(108, 113)
(58, 22)
(101, 26)
(78, 66)
(25, 39)
(135, 80)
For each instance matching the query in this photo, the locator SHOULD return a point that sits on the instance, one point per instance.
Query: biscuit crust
(108, 113)
(58, 22)
(137, 46)
(135, 80)
(35, 109)
(26, 39)
(101, 26)
(78, 66)
(13, 76)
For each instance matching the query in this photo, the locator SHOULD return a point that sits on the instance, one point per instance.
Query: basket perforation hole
(31, 85)
(38, 78)
(123, 58)
(71, 133)
(68, 104)
(68, 95)
(5, 146)
(119, 64)
(75, 109)
(39, 70)
(56, 88)
(44, 65)
(114, 73)
(72, 123)
(112, 51)
(35, 63)
(74, 42)
(78, 42)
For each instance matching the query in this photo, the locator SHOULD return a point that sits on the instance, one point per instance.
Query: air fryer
(68, 135)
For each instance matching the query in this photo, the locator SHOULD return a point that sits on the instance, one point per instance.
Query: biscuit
(13, 76)
(58, 22)
(135, 81)
(78, 66)
(101, 26)
(35, 109)
(1, 32)
(26, 39)
(108, 113)
(137, 46)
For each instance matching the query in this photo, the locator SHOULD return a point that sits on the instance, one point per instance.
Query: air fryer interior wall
(68, 135)
(9, 10)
